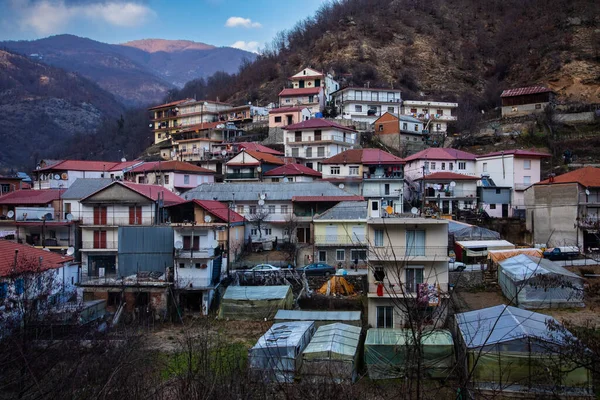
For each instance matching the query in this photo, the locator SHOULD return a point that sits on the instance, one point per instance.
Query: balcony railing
(395, 289)
(100, 245)
(116, 221)
(334, 138)
(195, 253)
(340, 240)
(452, 193)
(589, 223)
(241, 175)
(400, 254)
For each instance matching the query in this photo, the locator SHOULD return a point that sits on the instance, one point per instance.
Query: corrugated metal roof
(524, 91)
(256, 292)
(517, 153)
(351, 210)
(172, 165)
(302, 315)
(275, 191)
(306, 199)
(83, 187)
(474, 244)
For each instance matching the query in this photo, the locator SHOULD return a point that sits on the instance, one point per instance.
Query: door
(100, 215)
(317, 83)
(290, 119)
(99, 239)
(135, 215)
(374, 208)
(504, 210)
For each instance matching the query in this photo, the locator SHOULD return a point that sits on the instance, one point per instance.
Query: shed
(277, 355)
(478, 249)
(496, 256)
(332, 353)
(320, 317)
(255, 302)
(531, 282)
(389, 351)
(509, 349)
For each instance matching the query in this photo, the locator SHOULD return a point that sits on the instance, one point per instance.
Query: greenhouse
(531, 282)
(255, 302)
(388, 352)
(463, 231)
(320, 317)
(277, 355)
(332, 353)
(508, 349)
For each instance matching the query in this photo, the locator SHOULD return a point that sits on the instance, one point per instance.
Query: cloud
(239, 22)
(52, 16)
(248, 46)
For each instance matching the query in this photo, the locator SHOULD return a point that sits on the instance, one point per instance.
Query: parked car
(263, 269)
(456, 266)
(562, 253)
(317, 269)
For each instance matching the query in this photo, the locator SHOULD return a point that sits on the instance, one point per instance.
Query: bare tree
(259, 219)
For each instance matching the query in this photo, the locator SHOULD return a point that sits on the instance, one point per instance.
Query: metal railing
(100, 245)
(241, 175)
(116, 221)
(345, 240)
(398, 289)
(403, 253)
(195, 253)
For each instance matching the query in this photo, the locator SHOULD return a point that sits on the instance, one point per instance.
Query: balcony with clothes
(408, 280)
(383, 172)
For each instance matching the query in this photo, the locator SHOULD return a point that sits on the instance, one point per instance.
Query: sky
(245, 24)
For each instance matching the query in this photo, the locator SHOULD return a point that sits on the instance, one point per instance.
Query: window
(311, 99)
(378, 238)
(498, 191)
(426, 165)
(527, 180)
(357, 108)
(357, 95)
(416, 127)
(3, 290)
(391, 109)
(288, 101)
(320, 151)
(414, 276)
(318, 134)
(353, 170)
(358, 255)
(334, 170)
(415, 243)
(433, 165)
(114, 299)
(240, 209)
(284, 209)
(438, 127)
(253, 232)
(440, 112)
(322, 256)
(526, 164)
(413, 110)
(141, 179)
(484, 167)
(380, 127)
(5, 188)
(19, 286)
(277, 119)
(186, 179)
(379, 274)
(451, 166)
(443, 166)
(252, 209)
(268, 231)
(271, 209)
(166, 179)
(492, 206)
(297, 136)
(340, 255)
(405, 126)
(135, 215)
(385, 317)
(198, 265)
(187, 243)
(295, 152)
(462, 165)
(538, 106)
(386, 189)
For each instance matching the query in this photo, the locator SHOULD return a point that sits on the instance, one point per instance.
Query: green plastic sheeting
(387, 352)
(255, 302)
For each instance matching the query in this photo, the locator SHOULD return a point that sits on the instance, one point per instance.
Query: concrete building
(366, 104)
(311, 98)
(526, 100)
(176, 176)
(292, 173)
(565, 210)
(401, 132)
(446, 193)
(311, 78)
(281, 117)
(312, 141)
(435, 114)
(250, 165)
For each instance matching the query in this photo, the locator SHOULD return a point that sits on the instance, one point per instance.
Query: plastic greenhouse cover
(256, 292)
(284, 335)
(300, 315)
(335, 341)
(501, 324)
(523, 267)
(403, 337)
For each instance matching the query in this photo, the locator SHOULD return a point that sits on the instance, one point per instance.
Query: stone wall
(466, 279)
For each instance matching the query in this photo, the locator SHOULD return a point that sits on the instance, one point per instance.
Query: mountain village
(352, 235)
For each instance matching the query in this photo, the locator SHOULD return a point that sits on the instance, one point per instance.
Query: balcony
(241, 175)
(109, 245)
(395, 289)
(397, 176)
(459, 194)
(589, 223)
(115, 221)
(331, 138)
(340, 240)
(403, 254)
(207, 252)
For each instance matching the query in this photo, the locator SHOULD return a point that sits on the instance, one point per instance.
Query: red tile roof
(151, 191)
(587, 176)
(85, 165)
(31, 197)
(282, 110)
(293, 170)
(300, 92)
(315, 123)
(437, 153)
(28, 258)
(448, 176)
(265, 157)
(327, 198)
(517, 153)
(220, 210)
(176, 166)
(364, 156)
(171, 104)
(258, 147)
(524, 91)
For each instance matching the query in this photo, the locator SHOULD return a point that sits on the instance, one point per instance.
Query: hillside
(137, 73)
(43, 106)
(461, 49)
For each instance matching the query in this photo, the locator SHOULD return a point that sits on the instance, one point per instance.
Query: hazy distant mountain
(138, 72)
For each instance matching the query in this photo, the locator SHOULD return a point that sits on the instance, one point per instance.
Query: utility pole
(423, 191)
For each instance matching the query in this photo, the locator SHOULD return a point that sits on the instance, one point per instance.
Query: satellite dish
(414, 210)
(179, 245)
(389, 209)
(587, 192)
(261, 202)
(70, 251)
(69, 217)
(123, 159)
(207, 219)
(10, 214)
(177, 193)
(56, 177)
(263, 196)
(259, 169)
(223, 152)
(452, 184)
(341, 185)
(286, 179)
(48, 216)
(64, 176)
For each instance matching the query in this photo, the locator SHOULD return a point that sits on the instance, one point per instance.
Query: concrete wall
(523, 109)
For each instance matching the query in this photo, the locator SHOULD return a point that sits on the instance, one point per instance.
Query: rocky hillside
(137, 73)
(42, 107)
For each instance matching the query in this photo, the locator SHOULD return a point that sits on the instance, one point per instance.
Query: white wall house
(311, 78)
(435, 114)
(366, 104)
(62, 174)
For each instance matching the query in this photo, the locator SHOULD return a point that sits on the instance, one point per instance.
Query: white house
(447, 192)
(366, 104)
(311, 98)
(315, 140)
(435, 114)
(311, 78)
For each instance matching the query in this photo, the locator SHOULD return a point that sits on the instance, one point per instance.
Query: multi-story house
(516, 169)
(401, 132)
(435, 114)
(250, 165)
(371, 173)
(366, 104)
(310, 78)
(433, 160)
(408, 259)
(311, 98)
(206, 234)
(564, 210)
(341, 234)
(244, 114)
(11, 183)
(526, 100)
(283, 116)
(60, 174)
(103, 213)
(177, 176)
(315, 140)
(447, 192)
(292, 173)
